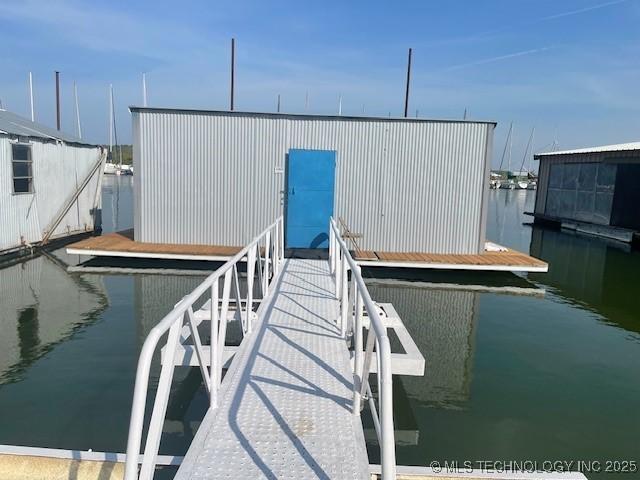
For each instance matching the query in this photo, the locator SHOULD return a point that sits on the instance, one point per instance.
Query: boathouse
(399, 185)
(594, 190)
(49, 184)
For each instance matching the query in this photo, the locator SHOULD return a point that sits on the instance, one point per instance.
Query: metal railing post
(344, 300)
(213, 350)
(251, 266)
(357, 359)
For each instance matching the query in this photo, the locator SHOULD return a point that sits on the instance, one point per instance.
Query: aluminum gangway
(290, 401)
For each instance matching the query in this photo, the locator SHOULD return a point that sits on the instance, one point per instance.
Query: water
(508, 377)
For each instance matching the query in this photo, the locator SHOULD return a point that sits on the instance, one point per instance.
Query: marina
(259, 265)
(455, 329)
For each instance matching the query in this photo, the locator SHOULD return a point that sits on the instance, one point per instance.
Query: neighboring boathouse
(399, 185)
(50, 184)
(594, 190)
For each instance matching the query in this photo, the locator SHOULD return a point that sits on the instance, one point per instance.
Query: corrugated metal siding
(57, 171)
(598, 157)
(218, 179)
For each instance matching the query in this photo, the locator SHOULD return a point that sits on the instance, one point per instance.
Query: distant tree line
(127, 154)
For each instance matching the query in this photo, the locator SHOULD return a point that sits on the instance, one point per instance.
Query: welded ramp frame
(286, 402)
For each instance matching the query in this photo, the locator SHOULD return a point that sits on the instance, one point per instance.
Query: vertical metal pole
(358, 360)
(110, 121)
(251, 265)
(344, 297)
(406, 96)
(213, 352)
(233, 69)
(58, 100)
(278, 109)
(340, 105)
(144, 89)
(75, 94)
(306, 101)
(33, 115)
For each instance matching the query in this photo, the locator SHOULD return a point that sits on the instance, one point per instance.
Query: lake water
(508, 377)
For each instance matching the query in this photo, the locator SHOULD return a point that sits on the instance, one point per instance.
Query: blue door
(310, 182)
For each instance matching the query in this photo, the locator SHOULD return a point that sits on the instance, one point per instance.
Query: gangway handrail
(353, 297)
(266, 251)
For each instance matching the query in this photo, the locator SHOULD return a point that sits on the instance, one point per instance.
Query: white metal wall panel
(215, 178)
(57, 171)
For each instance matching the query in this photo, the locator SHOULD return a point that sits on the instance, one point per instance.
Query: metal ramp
(290, 402)
(286, 411)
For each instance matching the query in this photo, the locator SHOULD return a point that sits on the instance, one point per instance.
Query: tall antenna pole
(464, 117)
(33, 115)
(144, 89)
(278, 103)
(233, 68)
(110, 121)
(340, 105)
(406, 95)
(58, 100)
(75, 95)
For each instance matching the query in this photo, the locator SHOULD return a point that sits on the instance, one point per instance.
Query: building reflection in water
(442, 322)
(596, 273)
(43, 306)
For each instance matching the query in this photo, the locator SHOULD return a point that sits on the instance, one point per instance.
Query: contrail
(496, 59)
(581, 10)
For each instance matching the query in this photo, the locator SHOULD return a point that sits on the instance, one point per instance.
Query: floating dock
(495, 257)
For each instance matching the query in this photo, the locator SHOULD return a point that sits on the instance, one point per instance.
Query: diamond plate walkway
(285, 407)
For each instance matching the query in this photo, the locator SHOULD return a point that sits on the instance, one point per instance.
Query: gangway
(289, 404)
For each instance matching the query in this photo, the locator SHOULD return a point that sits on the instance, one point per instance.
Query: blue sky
(569, 68)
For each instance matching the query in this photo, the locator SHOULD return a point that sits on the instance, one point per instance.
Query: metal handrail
(353, 297)
(268, 267)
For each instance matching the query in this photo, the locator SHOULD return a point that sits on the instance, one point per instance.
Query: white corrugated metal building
(40, 171)
(218, 178)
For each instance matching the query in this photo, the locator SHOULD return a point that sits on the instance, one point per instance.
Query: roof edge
(310, 116)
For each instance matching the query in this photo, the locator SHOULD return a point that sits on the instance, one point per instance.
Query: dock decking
(496, 259)
(286, 403)
(122, 244)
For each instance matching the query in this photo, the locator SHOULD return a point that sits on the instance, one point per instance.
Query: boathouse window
(22, 168)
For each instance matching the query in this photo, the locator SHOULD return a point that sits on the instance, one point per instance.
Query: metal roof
(13, 124)
(301, 116)
(621, 147)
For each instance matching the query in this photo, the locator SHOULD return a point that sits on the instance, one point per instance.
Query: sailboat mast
(33, 115)
(110, 122)
(510, 150)
(533, 134)
(144, 89)
(75, 95)
(115, 130)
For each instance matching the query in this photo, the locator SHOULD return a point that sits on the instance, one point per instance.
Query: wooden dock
(494, 258)
(122, 244)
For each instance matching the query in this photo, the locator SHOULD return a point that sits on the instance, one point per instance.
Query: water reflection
(42, 306)
(443, 324)
(599, 274)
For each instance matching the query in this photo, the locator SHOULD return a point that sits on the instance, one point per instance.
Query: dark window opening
(22, 168)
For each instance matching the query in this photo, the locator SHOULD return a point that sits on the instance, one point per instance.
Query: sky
(568, 68)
